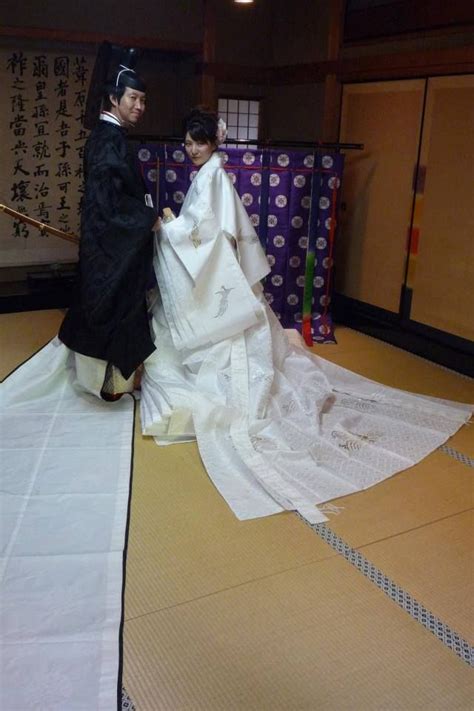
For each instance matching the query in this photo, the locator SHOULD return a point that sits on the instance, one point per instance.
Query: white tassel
(331, 509)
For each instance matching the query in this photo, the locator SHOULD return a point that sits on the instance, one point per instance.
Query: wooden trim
(236, 73)
(332, 85)
(400, 72)
(400, 16)
(336, 28)
(407, 36)
(43, 33)
(208, 94)
(458, 60)
(303, 73)
(421, 63)
(332, 108)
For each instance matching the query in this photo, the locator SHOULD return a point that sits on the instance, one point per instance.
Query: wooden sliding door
(441, 273)
(406, 237)
(377, 195)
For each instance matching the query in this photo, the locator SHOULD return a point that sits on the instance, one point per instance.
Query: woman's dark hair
(201, 125)
(127, 78)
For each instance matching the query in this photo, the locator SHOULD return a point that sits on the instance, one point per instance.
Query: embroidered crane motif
(194, 236)
(224, 304)
(353, 441)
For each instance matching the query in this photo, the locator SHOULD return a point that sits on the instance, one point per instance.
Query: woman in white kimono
(277, 427)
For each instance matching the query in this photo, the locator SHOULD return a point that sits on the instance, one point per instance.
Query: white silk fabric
(65, 478)
(206, 292)
(277, 427)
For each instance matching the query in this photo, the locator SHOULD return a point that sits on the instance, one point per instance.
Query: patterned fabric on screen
(295, 220)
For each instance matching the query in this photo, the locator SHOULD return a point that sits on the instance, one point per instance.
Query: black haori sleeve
(108, 318)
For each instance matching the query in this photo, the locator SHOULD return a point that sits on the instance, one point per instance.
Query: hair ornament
(221, 134)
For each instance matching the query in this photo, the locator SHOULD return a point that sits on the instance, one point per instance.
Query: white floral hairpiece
(221, 134)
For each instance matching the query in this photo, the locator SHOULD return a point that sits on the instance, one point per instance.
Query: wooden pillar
(332, 85)
(208, 95)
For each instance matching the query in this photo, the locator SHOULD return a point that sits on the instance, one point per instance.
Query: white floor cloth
(279, 428)
(65, 481)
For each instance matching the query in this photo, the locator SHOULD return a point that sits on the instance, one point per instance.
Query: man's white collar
(110, 118)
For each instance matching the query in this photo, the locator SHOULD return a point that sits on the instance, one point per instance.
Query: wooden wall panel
(378, 189)
(443, 278)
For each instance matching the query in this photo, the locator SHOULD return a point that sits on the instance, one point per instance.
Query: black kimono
(108, 319)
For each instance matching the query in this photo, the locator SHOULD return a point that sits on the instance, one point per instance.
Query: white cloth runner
(65, 481)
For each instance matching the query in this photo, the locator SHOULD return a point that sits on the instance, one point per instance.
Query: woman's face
(198, 151)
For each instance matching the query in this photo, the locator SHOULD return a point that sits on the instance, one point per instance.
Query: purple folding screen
(291, 198)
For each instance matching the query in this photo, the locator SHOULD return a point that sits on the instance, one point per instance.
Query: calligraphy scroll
(42, 140)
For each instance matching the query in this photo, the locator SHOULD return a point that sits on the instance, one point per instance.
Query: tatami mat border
(414, 608)
(127, 703)
(459, 456)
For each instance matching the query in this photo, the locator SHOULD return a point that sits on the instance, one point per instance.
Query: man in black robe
(107, 323)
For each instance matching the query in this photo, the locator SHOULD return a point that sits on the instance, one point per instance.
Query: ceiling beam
(80, 37)
(429, 62)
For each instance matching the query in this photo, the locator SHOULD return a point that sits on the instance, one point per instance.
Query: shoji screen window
(241, 117)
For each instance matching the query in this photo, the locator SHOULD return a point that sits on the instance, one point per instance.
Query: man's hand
(157, 226)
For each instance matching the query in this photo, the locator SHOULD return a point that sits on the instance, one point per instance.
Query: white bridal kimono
(277, 427)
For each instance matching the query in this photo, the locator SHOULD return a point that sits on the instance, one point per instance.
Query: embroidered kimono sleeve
(194, 233)
(235, 222)
(214, 211)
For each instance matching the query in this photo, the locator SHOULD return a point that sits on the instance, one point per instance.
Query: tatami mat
(258, 615)
(317, 637)
(435, 564)
(383, 362)
(434, 489)
(22, 334)
(463, 440)
(194, 544)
